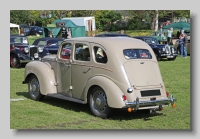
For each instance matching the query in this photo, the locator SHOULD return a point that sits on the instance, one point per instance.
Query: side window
(82, 52)
(148, 40)
(100, 55)
(66, 51)
(18, 40)
(41, 43)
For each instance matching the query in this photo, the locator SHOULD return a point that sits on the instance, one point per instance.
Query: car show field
(53, 113)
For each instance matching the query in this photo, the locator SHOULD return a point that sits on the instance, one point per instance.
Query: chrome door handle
(85, 71)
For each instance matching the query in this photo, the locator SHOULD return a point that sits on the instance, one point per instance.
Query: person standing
(180, 43)
(185, 41)
(169, 36)
(178, 34)
(122, 31)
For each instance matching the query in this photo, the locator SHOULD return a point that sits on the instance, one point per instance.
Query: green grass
(54, 113)
(31, 39)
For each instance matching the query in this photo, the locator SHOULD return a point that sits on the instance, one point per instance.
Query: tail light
(167, 94)
(124, 97)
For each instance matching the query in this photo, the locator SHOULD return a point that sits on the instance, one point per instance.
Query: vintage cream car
(106, 72)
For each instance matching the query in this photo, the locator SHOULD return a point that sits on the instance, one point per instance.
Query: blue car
(35, 30)
(160, 50)
(25, 28)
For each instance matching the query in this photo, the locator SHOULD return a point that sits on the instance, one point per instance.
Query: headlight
(26, 49)
(163, 49)
(36, 55)
(40, 49)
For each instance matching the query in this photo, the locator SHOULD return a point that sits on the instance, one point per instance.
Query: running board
(66, 98)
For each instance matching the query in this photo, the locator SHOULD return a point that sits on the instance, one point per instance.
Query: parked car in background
(160, 50)
(112, 72)
(112, 35)
(35, 30)
(50, 44)
(24, 29)
(21, 52)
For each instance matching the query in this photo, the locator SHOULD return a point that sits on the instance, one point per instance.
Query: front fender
(45, 75)
(44, 53)
(19, 54)
(113, 92)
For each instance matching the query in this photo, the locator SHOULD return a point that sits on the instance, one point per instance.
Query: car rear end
(147, 87)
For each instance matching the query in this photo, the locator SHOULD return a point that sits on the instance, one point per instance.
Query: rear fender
(45, 75)
(113, 92)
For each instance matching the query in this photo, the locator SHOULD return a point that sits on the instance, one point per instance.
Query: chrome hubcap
(34, 87)
(100, 100)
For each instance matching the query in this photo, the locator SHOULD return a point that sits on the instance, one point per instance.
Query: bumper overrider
(136, 105)
(172, 52)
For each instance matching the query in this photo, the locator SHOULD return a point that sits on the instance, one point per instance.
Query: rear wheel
(98, 103)
(34, 89)
(14, 61)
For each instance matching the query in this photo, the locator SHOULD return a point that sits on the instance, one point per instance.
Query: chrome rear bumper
(138, 104)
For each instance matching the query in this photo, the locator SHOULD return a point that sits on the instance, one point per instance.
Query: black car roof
(111, 35)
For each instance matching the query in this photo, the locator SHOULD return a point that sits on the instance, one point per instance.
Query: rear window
(137, 54)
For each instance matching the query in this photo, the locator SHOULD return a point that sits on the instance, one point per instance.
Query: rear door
(81, 68)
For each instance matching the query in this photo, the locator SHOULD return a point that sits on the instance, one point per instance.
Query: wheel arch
(112, 91)
(45, 75)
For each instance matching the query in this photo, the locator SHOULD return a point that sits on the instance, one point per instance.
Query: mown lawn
(54, 113)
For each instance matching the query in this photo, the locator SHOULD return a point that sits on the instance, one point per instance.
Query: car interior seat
(86, 54)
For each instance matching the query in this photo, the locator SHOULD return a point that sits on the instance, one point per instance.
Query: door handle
(85, 71)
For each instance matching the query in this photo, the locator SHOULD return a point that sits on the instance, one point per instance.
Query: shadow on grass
(116, 114)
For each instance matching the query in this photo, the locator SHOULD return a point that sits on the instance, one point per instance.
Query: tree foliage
(19, 16)
(137, 19)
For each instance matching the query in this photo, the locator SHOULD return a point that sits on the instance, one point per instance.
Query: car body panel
(44, 74)
(74, 78)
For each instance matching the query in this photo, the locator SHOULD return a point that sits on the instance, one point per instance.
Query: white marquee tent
(15, 26)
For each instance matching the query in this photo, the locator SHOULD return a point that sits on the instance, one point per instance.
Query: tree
(19, 16)
(105, 18)
(82, 13)
(156, 22)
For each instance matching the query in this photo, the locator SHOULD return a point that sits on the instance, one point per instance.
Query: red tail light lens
(167, 94)
(124, 97)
